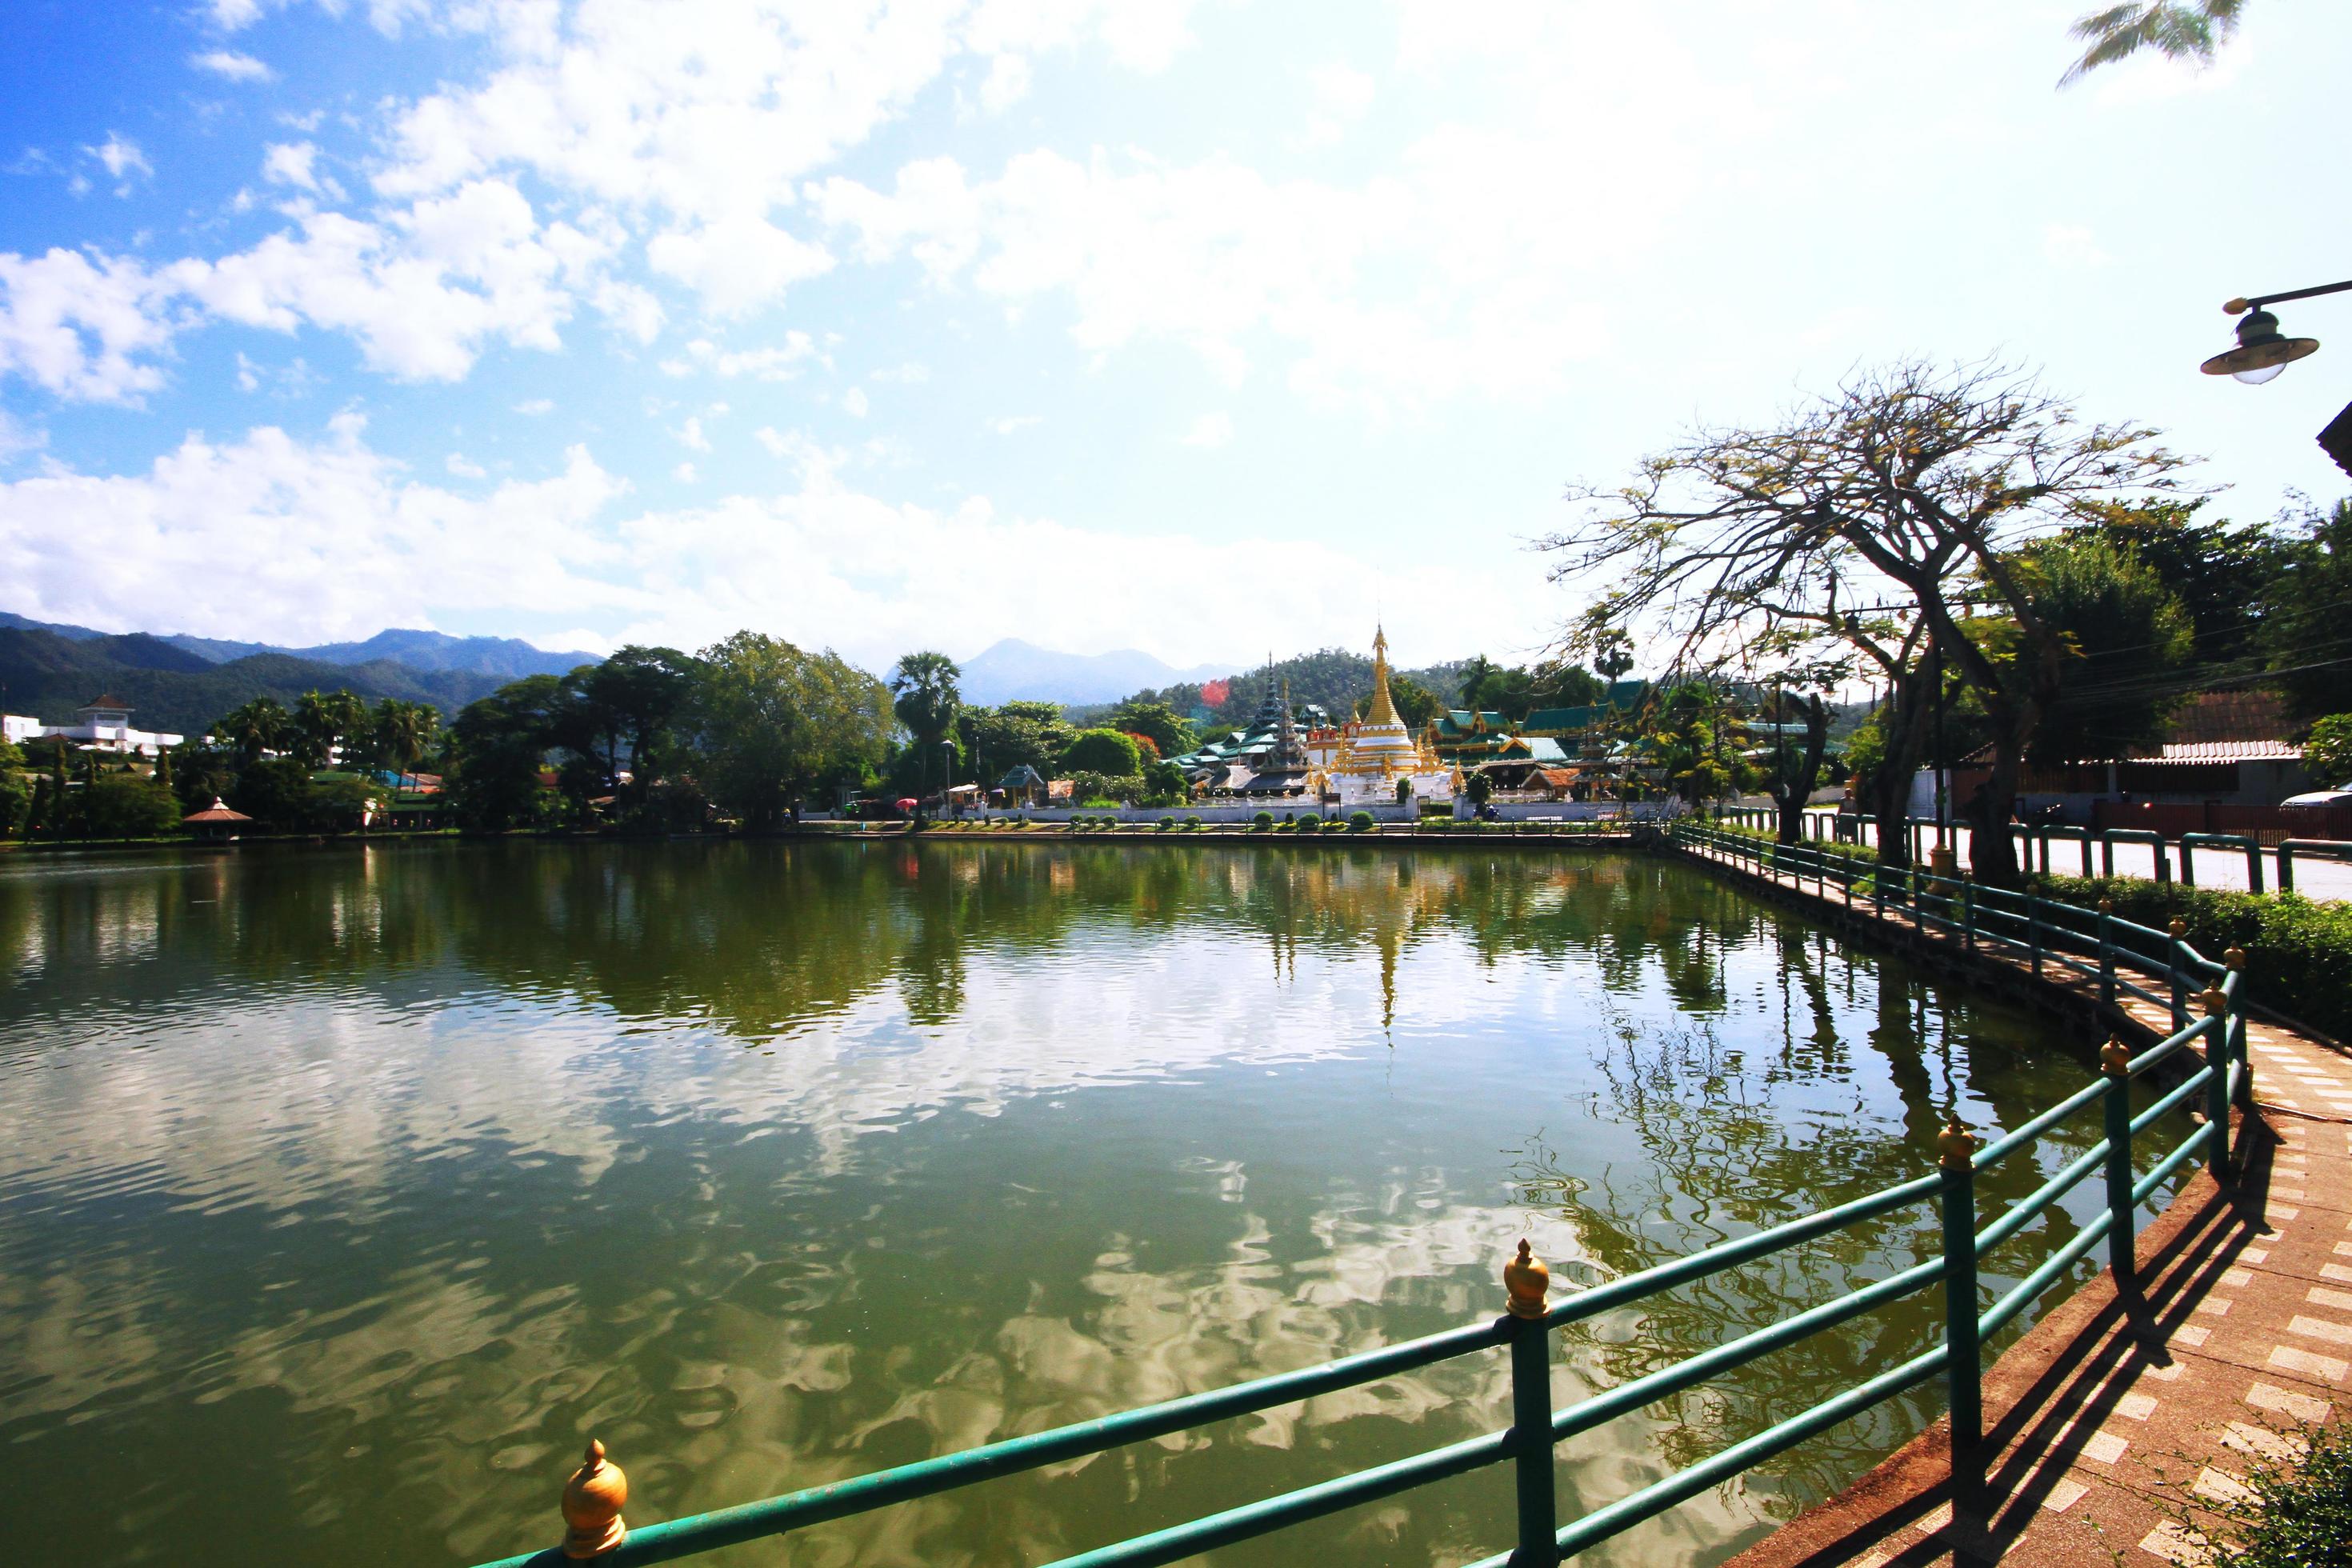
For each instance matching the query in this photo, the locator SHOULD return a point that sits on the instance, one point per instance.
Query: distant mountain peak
(1013, 669)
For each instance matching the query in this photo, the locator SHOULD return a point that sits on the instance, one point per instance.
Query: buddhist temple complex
(1376, 760)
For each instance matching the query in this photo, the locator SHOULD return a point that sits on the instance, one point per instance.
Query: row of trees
(1964, 546)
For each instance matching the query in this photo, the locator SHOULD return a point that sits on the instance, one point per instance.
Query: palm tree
(402, 730)
(926, 698)
(2177, 29)
(252, 729)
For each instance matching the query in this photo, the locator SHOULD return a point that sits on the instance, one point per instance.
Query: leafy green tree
(1171, 732)
(647, 690)
(774, 722)
(2177, 29)
(1102, 751)
(500, 744)
(2126, 634)
(201, 774)
(1912, 486)
(1018, 734)
(274, 792)
(402, 733)
(323, 721)
(15, 790)
(2222, 573)
(925, 696)
(253, 728)
(1164, 784)
(128, 806)
(2305, 631)
(2328, 753)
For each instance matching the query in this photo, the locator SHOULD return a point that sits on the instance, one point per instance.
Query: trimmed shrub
(2298, 950)
(1361, 822)
(1261, 823)
(2292, 1513)
(1167, 824)
(1192, 824)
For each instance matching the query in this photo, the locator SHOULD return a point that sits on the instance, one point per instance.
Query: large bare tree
(1874, 521)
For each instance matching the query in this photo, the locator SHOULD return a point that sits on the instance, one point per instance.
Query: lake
(345, 1191)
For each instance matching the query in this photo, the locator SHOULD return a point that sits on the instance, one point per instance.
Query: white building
(1363, 761)
(103, 724)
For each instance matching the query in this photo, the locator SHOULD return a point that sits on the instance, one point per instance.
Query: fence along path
(2119, 1415)
(2133, 1163)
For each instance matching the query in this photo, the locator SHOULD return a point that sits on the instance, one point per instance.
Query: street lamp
(2262, 350)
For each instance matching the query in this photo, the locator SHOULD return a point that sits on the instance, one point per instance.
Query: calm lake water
(344, 1192)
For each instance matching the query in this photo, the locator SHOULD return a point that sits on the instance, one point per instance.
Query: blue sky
(1202, 328)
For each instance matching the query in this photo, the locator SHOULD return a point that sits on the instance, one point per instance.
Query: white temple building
(103, 724)
(1364, 761)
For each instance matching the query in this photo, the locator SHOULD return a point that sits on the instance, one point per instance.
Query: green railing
(2125, 959)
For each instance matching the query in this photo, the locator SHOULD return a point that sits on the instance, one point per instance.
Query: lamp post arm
(2238, 307)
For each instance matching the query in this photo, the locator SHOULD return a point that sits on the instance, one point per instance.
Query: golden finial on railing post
(2179, 928)
(1527, 1280)
(2214, 1000)
(2115, 1058)
(1956, 1146)
(2233, 958)
(2106, 905)
(592, 1499)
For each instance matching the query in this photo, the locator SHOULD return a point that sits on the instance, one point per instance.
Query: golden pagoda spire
(1383, 710)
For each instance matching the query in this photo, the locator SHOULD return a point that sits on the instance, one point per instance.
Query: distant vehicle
(2340, 795)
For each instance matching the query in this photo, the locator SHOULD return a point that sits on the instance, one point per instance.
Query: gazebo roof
(1023, 777)
(216, 812)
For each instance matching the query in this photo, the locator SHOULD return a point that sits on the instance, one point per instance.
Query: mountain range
(510, 658)
(1012, 671)
(181, 684)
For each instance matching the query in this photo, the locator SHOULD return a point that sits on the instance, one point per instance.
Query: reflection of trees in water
(755, 937)
(1736, 1139)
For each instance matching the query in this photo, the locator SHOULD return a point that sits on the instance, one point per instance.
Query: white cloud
(2071, 246)
(121, 155)
(77, 325)
(690, 435)
(852, 403)
(1342, 96)
(683, 473)
(1211, 430)
(16, 438)
(534, 406)
(288, 163)
(232, 66)
(335, 540)
(457, 464)
(1011, 424)
(778, 362)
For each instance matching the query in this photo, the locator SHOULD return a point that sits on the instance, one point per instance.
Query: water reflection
(346, 1190)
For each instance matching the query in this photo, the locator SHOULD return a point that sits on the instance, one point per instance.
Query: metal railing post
(2033, 927)
(2176, 966)
(1963, 1357)
(2216, 1002)
(2106, 952)
(1968, 916)
(2234, 958)
(1526, 1279)
(2114, 1060)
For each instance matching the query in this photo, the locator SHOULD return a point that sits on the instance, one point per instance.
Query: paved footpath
(2114, 1417)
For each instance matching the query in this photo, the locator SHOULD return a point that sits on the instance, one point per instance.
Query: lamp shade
(2261, 352)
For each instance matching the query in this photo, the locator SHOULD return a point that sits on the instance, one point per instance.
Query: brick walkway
(2115, 1413)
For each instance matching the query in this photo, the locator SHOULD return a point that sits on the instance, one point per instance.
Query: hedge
(2292, 1515)
(2298, 950)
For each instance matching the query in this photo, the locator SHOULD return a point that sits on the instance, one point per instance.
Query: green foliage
(2298, 950)
(2295, 1515)
(2302, 629)
(2122, 628)
(1261, 823)
(1171, 731)
(1192, 824)
(1361, 822)
(1167, 824)
(2328, 753)
(772, 723)
(499, 745)
(1018, 734)
(1103, 752)
(126, 806)
(926, 696)
(1480, 789)
(2177, 29)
